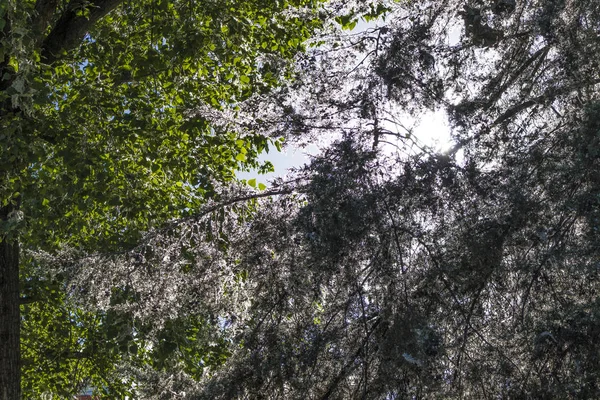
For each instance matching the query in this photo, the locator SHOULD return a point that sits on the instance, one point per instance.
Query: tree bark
(65, 34)
(10, 320)
(72, 26)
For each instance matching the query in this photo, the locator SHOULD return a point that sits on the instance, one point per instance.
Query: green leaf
(104, 150)
(252, 183)
(348, 22)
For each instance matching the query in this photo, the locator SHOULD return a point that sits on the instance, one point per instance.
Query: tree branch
(72, 26)
(350, 365)
(174, 223)
(44, 14)
(29, 300)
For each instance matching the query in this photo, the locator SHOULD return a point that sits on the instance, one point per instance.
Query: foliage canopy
(106, 132)
(384, 268)
(387, 269)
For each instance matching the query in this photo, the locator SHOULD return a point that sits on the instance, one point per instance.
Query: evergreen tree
(470, 273)
(372, 273)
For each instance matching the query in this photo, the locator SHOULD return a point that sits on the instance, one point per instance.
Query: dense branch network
(371, 273)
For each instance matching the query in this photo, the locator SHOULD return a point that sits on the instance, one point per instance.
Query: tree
(104, 134)
(470, 273)
(454, 271)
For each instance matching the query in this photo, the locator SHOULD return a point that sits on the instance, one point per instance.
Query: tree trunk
(10, 320)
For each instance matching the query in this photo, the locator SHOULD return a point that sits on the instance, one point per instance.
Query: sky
(431, 130)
